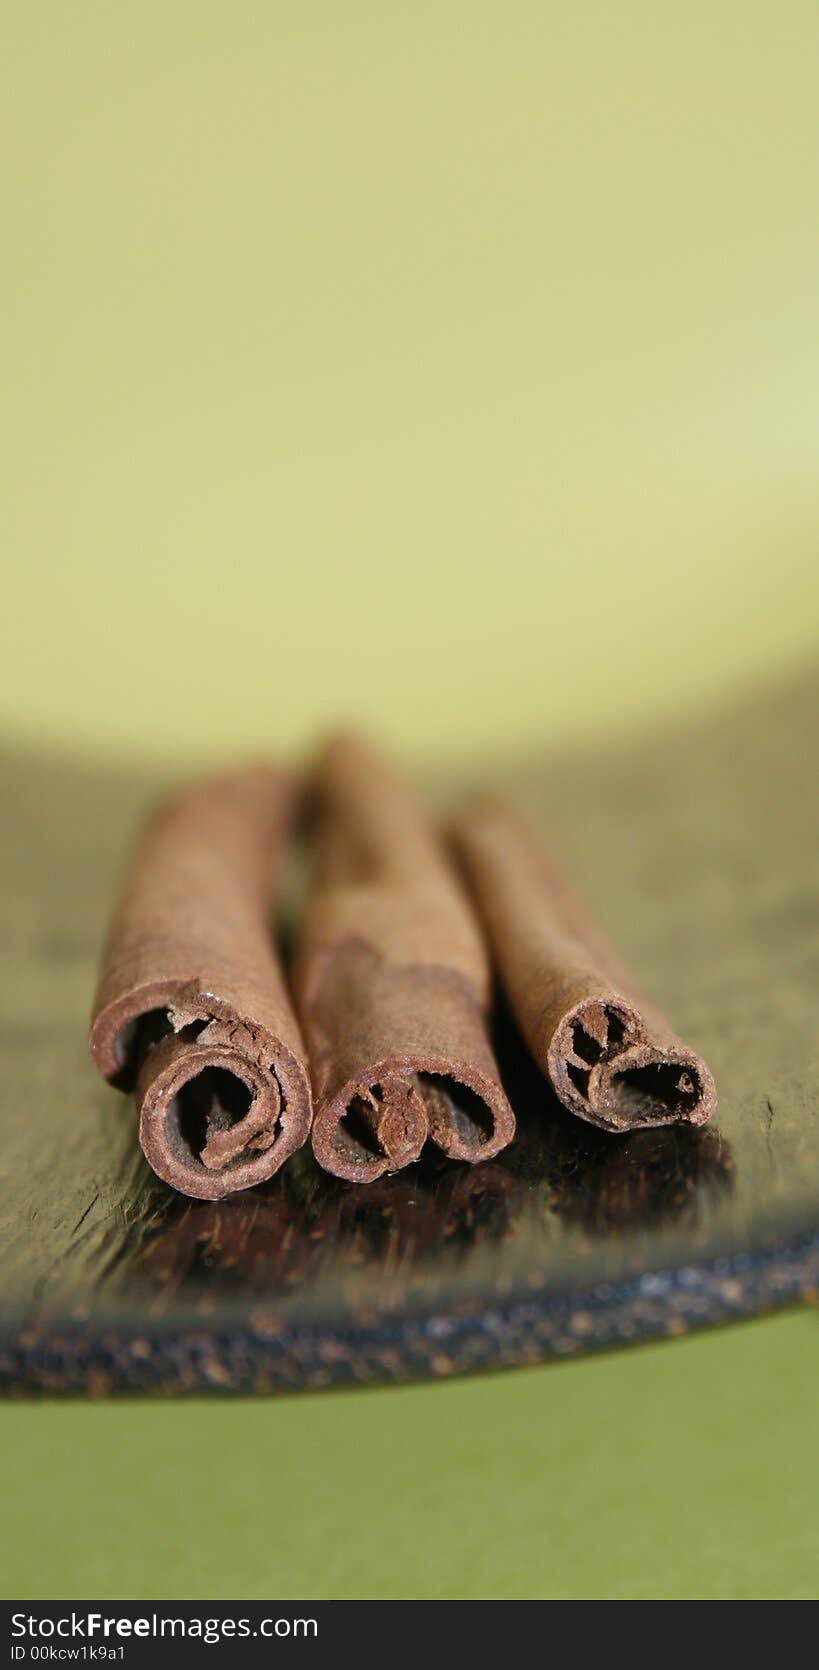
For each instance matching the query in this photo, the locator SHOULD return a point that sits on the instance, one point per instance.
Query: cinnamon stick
(191, 1009)
(610, 1057)
(392, 983)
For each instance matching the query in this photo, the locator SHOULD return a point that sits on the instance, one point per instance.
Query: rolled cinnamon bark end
(606, 1065)
(610, 1057)
(191, 1009)
(392, 983)
(378, 1124)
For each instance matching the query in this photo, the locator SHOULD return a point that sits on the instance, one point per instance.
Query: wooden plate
(698, 849)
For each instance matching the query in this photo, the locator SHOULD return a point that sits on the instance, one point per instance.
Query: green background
(452, 368)
(670, 1470)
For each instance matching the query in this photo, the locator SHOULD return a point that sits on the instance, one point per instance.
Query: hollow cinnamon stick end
(213, 1121)
(376, 1125)
(380, 1125)
(470, 1118)
(608, 1067)
(658, 1084)
(116, 1025)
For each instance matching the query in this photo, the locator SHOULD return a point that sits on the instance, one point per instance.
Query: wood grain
(698, 849)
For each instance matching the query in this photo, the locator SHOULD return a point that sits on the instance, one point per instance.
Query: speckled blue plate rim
(178, 1358)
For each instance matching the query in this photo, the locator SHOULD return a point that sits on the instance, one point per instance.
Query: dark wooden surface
(698, 848)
